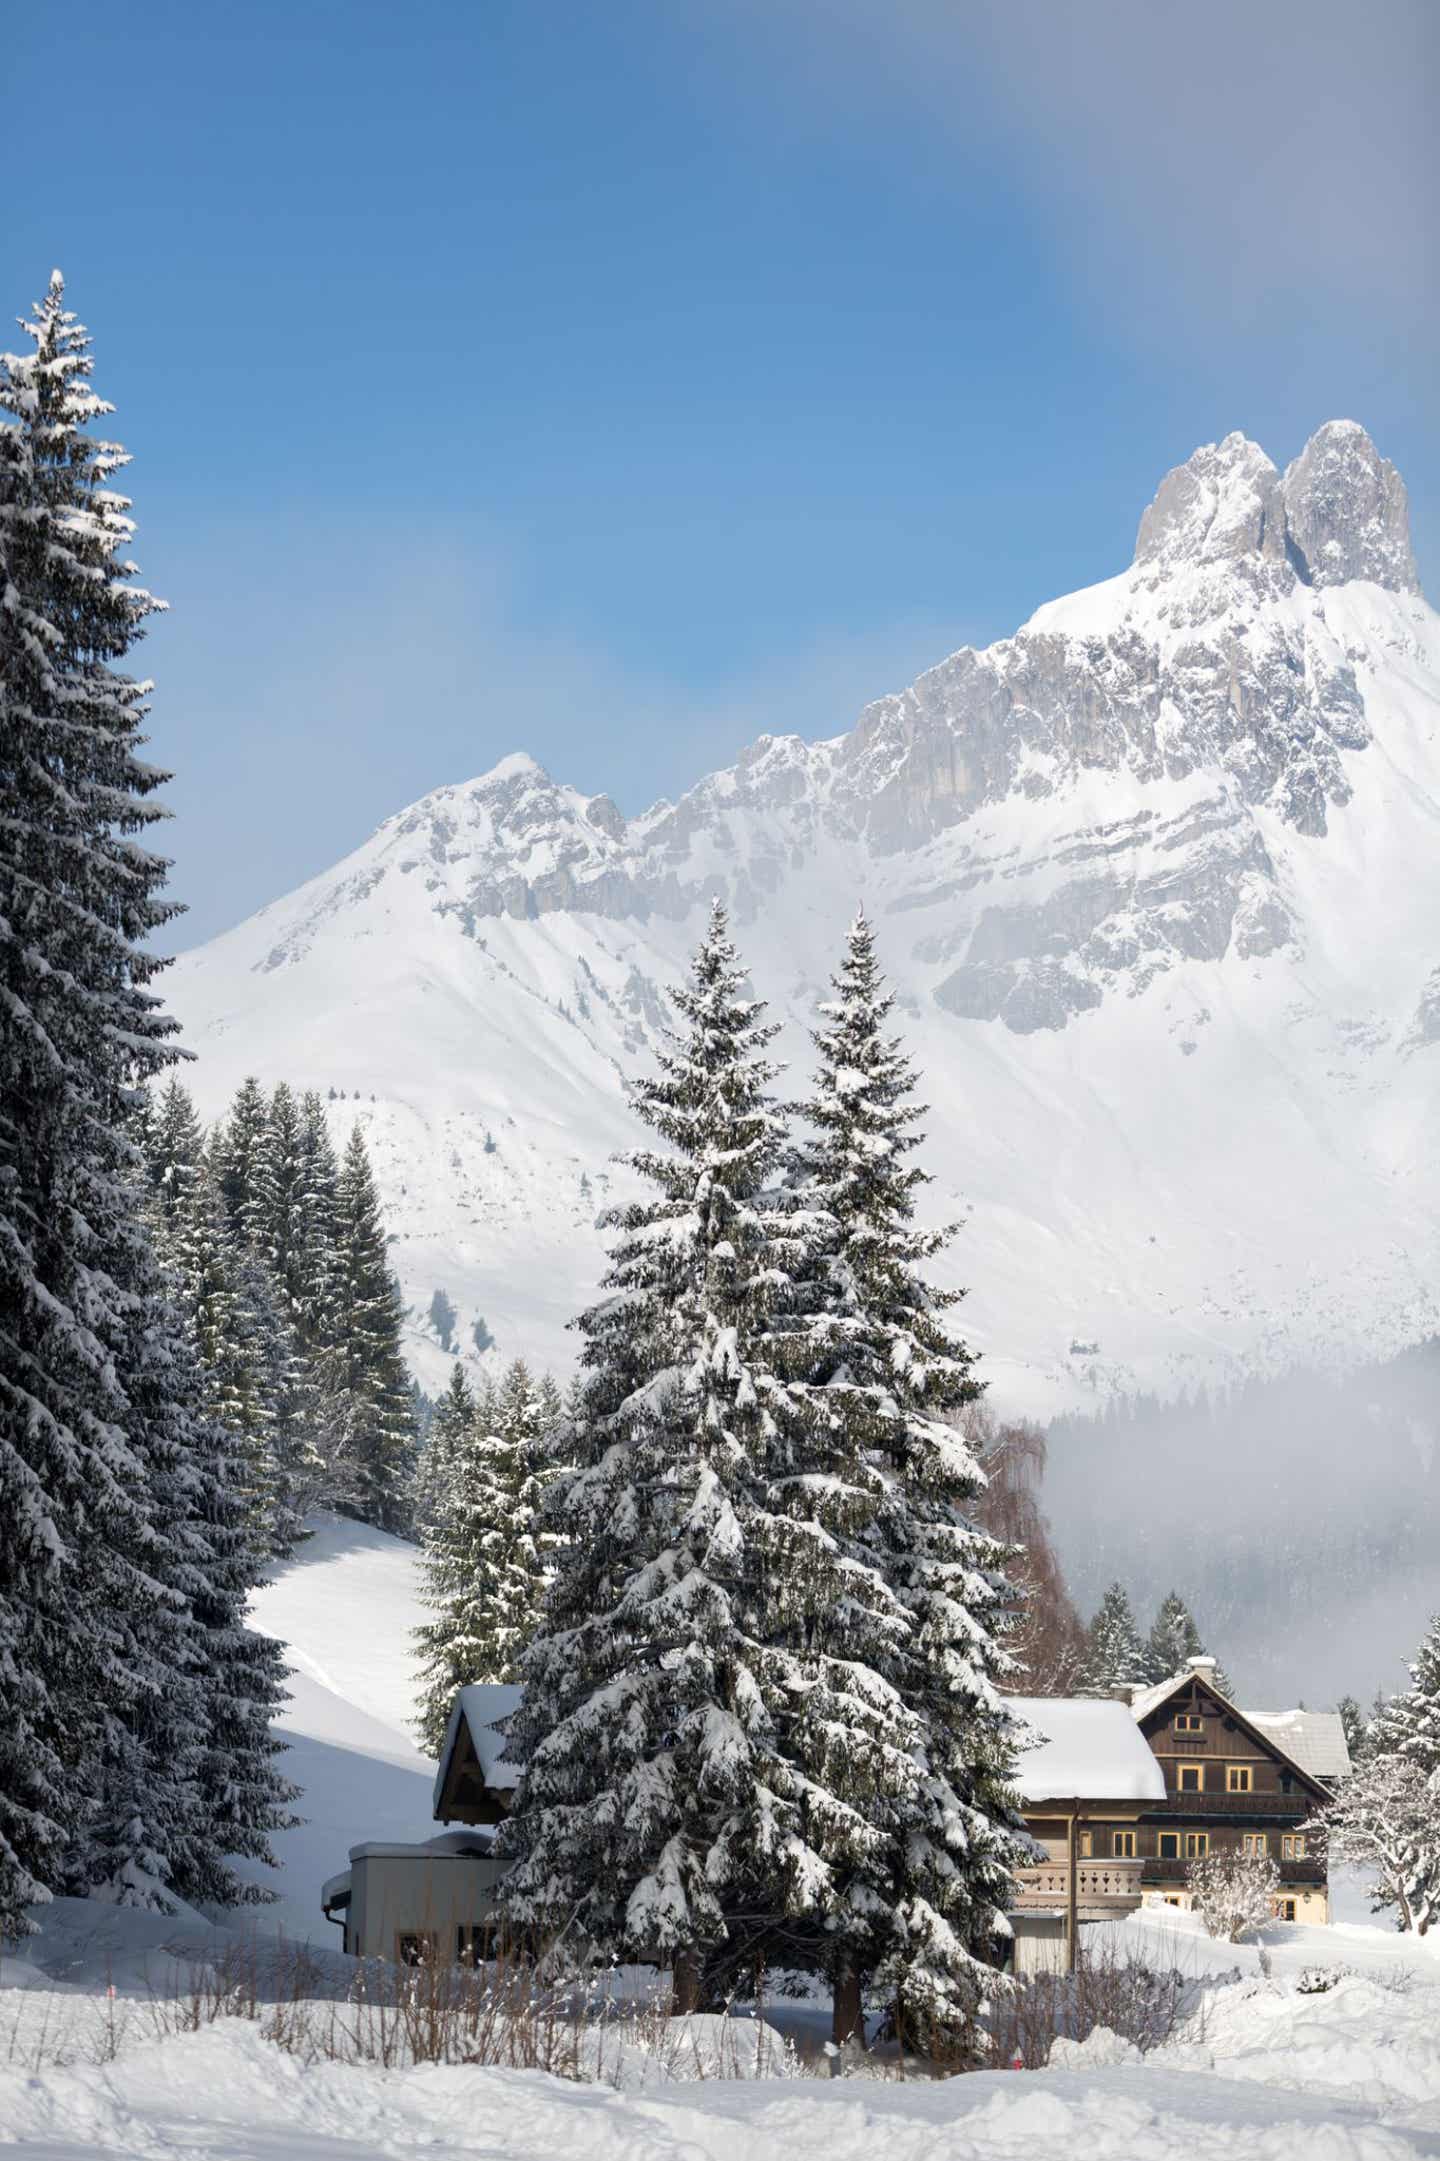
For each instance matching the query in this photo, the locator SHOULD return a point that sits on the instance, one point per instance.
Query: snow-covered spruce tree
(655, 1791)
(239, 1147)
(92, 1402)
(901, 1608)
(369, 1370)
(190, 1782)
(482, 1573)
(1409, 1724)
(1174, 1640)
(278, 1213)
(227, 1316)
(453, 1416)
(1355, 1727)
(1114, 1653)
(173, 1146)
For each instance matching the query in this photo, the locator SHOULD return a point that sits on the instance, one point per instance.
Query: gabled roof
(1313, 1739)
(477, 1710)
(1146, 1701)
(1082, 1749)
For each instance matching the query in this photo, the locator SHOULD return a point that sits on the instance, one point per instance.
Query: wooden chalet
(1120, 1829)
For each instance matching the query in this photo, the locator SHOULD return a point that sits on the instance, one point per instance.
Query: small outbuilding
(436, 1900)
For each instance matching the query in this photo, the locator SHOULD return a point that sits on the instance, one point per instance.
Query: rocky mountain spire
(1347, 513)
(1340, 512)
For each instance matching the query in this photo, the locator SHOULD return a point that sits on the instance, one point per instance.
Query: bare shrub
(1143, 2004)
(1234, 1892)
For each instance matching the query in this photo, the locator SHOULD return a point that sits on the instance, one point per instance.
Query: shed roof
(480, 1708)
(1084, 1750)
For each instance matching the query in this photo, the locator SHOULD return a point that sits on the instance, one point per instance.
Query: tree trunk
(848, 2020)
(684, 1982)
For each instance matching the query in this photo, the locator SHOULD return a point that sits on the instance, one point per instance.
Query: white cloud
(1202, 163)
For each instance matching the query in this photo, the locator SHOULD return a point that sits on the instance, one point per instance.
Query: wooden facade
(1228, 1785)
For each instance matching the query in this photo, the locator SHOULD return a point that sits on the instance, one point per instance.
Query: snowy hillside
(1157, 877)
(344, 1608)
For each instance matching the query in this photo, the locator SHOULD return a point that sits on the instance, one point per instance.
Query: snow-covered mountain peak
(1156, 877)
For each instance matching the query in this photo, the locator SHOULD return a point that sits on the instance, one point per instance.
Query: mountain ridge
(1128, 844)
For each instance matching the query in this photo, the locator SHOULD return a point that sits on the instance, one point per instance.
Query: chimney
(1204, 1665)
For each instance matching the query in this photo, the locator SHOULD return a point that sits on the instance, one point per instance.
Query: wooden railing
(1111, 1884)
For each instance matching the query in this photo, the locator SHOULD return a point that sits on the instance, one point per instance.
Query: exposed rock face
(1347, 513)
(1210, 666)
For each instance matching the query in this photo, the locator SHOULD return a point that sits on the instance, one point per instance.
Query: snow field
(1264, 2070)
(229, 2094)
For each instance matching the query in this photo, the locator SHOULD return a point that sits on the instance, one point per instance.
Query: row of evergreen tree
(1117, 1656)
(278, 1264)
(760, 1716)
(135, 1744)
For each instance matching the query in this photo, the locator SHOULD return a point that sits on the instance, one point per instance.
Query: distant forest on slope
(1301, 1515)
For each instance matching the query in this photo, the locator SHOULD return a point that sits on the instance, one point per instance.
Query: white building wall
(422, 1894)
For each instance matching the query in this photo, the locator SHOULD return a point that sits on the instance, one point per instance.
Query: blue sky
(619, 382)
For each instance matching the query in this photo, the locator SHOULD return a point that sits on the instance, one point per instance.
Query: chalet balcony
(1102, 1888)
(1301, 1875)
(1289, 1808)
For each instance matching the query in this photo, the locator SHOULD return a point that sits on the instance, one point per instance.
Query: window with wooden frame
(1190, 1777)
(1292, 1846)
(1284, 1909)
(1197, 1845)
(1238, 1778)
(1189, 1722)
(415, 1947)
(1169, 1845)
(474, 1943)
(1254, 1842)
(1123, 1845)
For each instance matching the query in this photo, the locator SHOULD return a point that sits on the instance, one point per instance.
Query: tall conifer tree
(377, 1407)
(655, 1787)
(1114, 1652)
(95, 1411)
(905, 1725)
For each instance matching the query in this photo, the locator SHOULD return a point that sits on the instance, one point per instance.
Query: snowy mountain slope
(1157, 879)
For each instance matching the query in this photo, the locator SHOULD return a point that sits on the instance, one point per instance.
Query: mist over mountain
(1157, 880)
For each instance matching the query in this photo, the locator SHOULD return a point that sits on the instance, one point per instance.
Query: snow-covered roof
(446, 1846)
(335, 1891)
(1145, 1700)
(1313, 1739)
(1084, 1750)
(481, 1707)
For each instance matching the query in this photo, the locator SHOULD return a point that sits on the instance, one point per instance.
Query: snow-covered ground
(1339, 2064)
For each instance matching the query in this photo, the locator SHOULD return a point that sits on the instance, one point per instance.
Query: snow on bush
(1387, 1819)
(1234, 1892)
